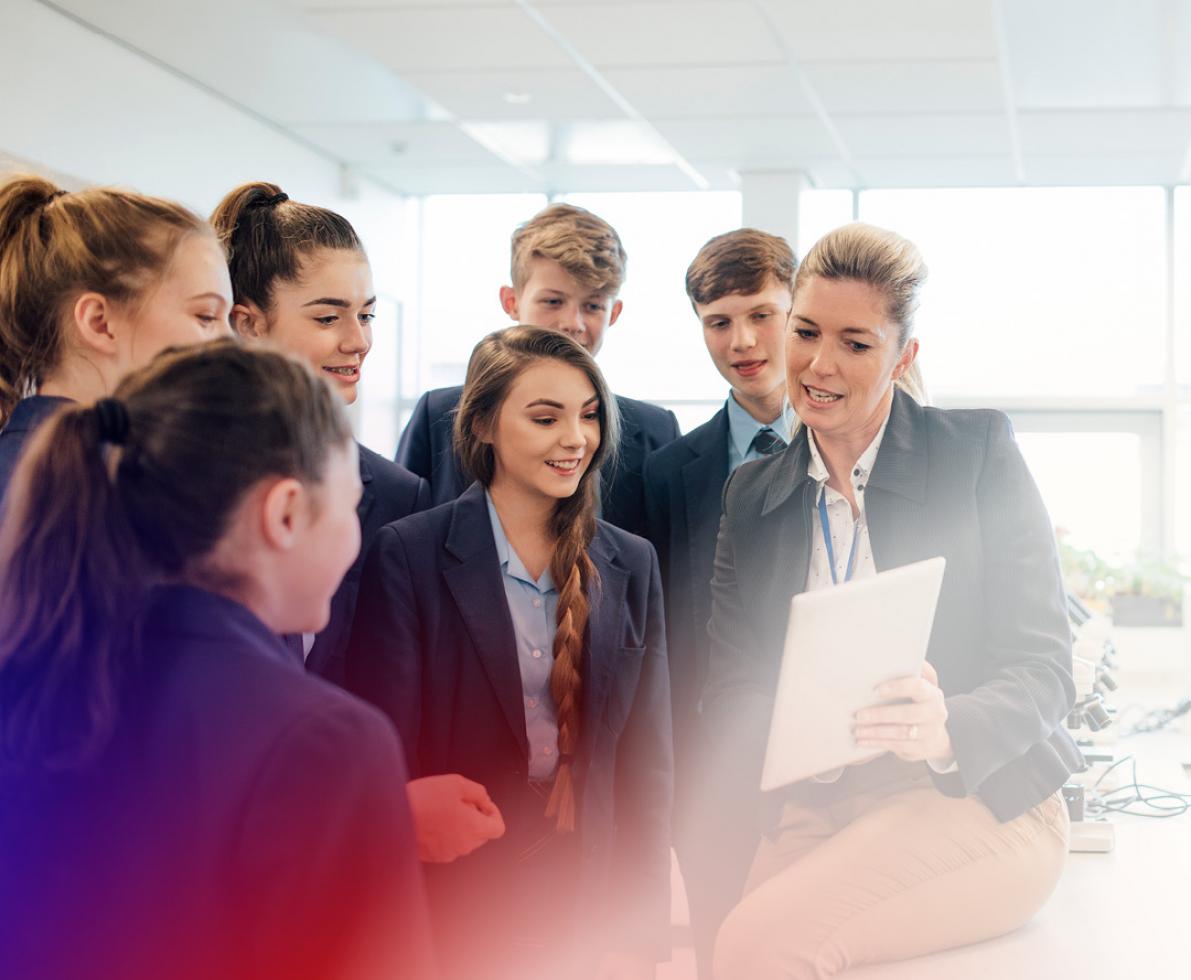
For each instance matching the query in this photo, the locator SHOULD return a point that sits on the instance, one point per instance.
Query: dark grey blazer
(949, 483)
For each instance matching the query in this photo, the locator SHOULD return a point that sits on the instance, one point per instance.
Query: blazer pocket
(626, 674)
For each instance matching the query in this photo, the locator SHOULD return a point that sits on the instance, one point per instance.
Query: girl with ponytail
(516, 639)
(177, 797)
(302, 283)
(93, 283)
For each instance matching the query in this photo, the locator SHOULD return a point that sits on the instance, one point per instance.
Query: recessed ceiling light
(518, 98)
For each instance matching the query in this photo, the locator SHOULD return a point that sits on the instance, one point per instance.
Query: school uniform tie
(767, 442)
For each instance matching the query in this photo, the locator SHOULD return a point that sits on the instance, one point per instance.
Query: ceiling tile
(883, 30)
(1103, 170)
(445, 38)
(1107, 132)
(936, 171)
(547, 93)
(712, 90)
(914, 136)
(651, 33)
(907, 86)
(398, 143)
(1081, 54)
(760, 142)
(454, 179)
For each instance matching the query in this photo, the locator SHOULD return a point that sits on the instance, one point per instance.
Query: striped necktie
(767, 442)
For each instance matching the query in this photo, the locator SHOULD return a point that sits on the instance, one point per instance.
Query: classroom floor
(1116, 916)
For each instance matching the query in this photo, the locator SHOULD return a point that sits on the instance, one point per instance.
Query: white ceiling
(515, 95)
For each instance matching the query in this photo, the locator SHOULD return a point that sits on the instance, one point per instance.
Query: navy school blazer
(684, 483)
(390, 492)
(245, 820)
(433, 647)
(426, 449)
(949, 483)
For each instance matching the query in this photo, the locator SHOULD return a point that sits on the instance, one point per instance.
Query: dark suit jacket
(949, 483)
(684, 484)
(426, 449)
(434, 648)
(390, 492)
(245, 820)
(26, 417)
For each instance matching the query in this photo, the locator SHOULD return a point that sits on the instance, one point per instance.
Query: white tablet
(841, 643)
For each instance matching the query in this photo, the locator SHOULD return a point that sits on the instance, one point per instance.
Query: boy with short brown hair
(741, 287)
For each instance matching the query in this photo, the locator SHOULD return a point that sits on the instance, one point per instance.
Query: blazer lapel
(368, 496)
(483, 606)
(790, 500)
(605, 632)
(895, 500)
(703, 485)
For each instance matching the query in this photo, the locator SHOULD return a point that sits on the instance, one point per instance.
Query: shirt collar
(817, 469)
(743, 428)
(510, 562)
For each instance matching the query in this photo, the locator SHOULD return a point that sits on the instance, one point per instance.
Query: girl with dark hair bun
(177, 798)
(302, 282)
(514, 638)
(92, 284)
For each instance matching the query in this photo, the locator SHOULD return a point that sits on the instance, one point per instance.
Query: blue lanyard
(826, 527)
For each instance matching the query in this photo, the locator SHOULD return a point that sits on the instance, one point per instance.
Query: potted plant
(1147, 592)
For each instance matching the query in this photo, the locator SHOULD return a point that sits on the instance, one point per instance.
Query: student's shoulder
(630, 549)
(748, 485)
(393, 481)
(418, 532)
(441, 401)
(313, 717)
(685, 447)
(646, 415)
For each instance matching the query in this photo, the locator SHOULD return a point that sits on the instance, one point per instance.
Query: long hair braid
(576, 576)
(495, 364)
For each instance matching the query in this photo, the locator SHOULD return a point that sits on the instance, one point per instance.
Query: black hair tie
(113, 421)
(269, 202)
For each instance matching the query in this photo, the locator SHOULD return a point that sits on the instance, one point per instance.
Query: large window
(1037, 292)
(465, 261)
(656, 351)
(1052, 304)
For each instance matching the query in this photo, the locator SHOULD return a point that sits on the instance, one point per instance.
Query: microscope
(1094, 664)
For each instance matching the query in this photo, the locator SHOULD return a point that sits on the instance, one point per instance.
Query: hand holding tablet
(842, 644)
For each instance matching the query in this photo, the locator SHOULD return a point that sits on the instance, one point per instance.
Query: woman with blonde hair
(960, 796)
(516, 639)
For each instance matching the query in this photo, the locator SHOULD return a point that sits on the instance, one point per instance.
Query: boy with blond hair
(568, 266)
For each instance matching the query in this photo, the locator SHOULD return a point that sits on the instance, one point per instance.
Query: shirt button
(532, 702)
(537, 603)
(856, 472)
(547, 751)
(537, 654)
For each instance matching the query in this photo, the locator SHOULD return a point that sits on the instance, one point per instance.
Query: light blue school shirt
(743, 428)
(533, 606)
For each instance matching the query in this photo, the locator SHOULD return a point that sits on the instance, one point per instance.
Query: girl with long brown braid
(517, 640)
